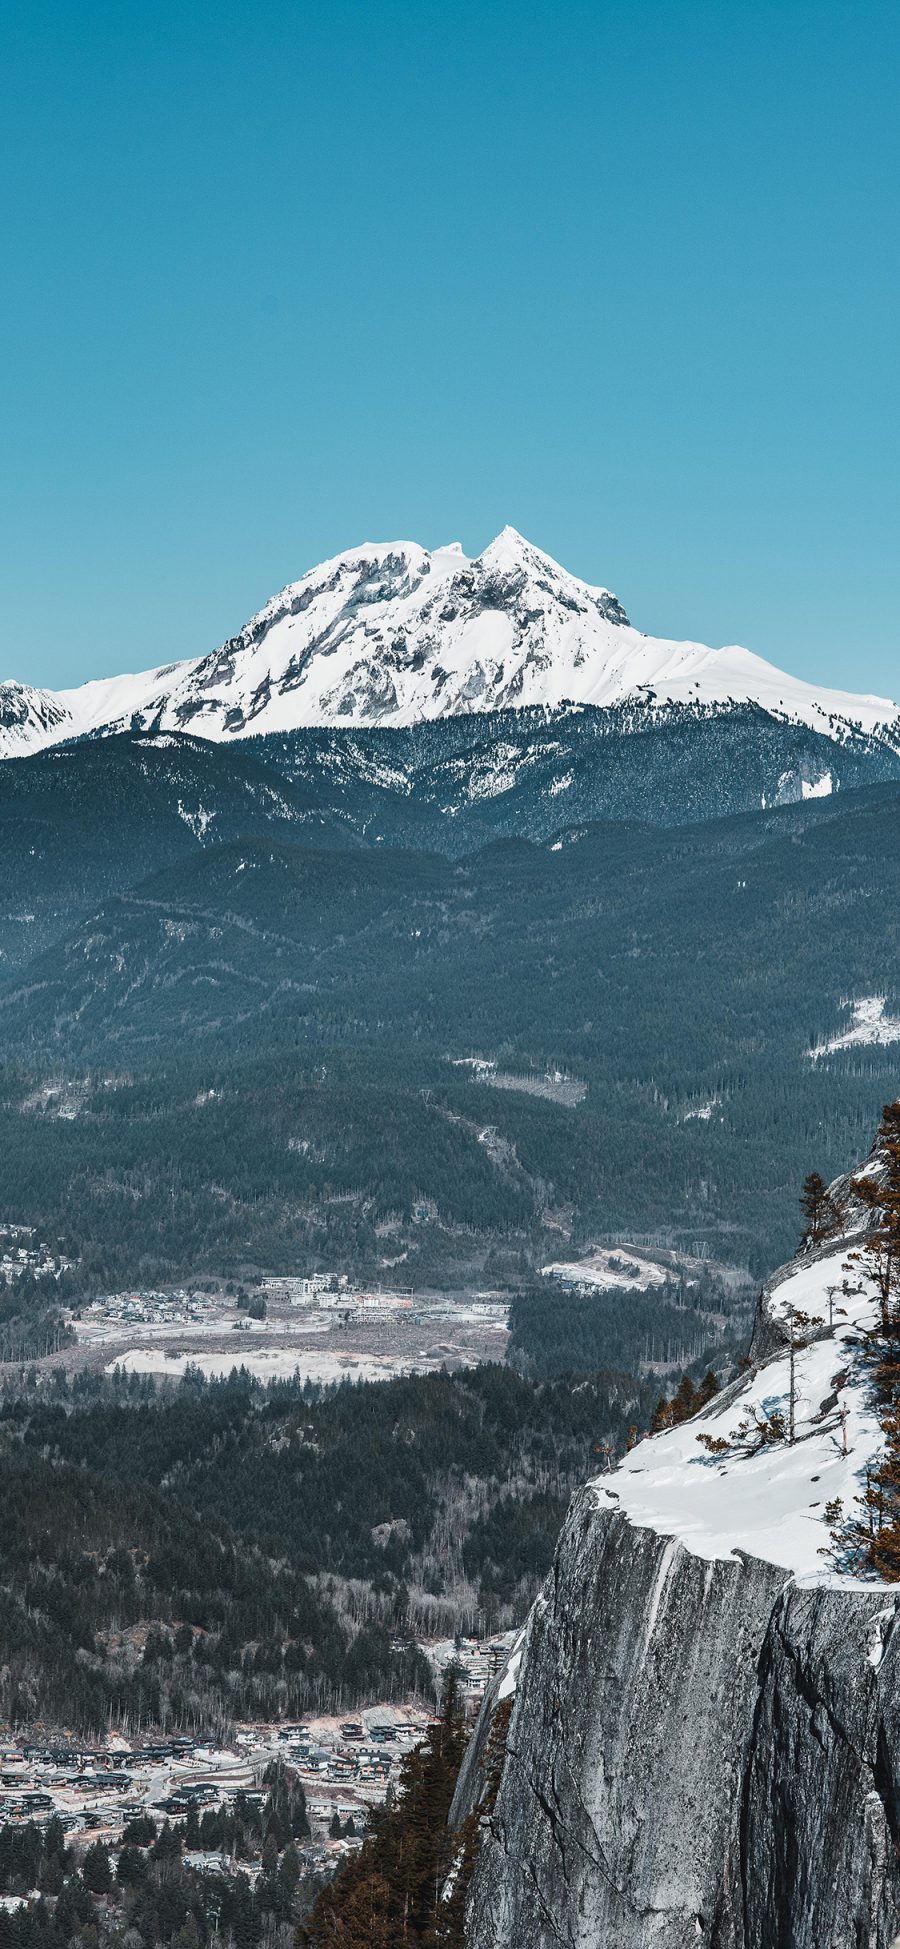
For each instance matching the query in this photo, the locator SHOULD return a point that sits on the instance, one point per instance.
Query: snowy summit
(390, 633)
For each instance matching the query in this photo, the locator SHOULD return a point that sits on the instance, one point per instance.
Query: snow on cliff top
(771, 1503)
(390, 633)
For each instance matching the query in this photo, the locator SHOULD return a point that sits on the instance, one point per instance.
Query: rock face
(704, 1747)
(700, 1752)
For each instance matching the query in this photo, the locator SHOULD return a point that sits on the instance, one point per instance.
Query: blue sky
(282, 277)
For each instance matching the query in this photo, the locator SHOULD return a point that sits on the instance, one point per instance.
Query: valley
(339, 1333)
(450, 988)
(406, 1088)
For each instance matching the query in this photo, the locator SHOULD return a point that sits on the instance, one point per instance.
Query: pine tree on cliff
(880, 1256)
(880, 1191)
(391, 1892)
(820, 1210)
(686, 1402)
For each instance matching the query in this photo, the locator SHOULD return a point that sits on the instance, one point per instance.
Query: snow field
(771, 1503)
(389, 633)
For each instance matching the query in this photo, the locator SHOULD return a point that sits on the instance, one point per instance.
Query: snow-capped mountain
(390, 634)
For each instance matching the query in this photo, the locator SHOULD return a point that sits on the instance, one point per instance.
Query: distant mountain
(84, 820)
(403, 946)
(454, 783)
(390, 634)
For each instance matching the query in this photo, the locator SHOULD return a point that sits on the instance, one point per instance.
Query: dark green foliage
(209, 1168)
(670, 971)
(83, 1558)
(317, 1476)
(666, 764)
(686, 1401)
(26, 1854)
(820, 1211)
(557, 1332)
(82, 821)
(149, 1896)
(390, 1892)
(263, 1488)
(866, 1538)
(139, 1832)
(131, 1866)
(514, 1543)
(96, 1870)
(31, 1324)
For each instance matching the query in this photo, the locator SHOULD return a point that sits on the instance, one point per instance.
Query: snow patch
(870, 1025)
(198, 821)
(770, 1502)
(508, 1683)
(819, 788)
(700, 1112)
(622, 1268)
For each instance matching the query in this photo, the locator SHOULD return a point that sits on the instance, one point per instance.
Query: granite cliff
(704, 1743)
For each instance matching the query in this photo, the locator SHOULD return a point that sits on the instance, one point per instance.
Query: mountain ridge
(392, 634)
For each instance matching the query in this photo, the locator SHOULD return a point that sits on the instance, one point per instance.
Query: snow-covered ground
(870, 1024)
(769, 1503)
(282, 1363)
(390, 633)
(816, 788)
(622, 1267)
(701, 1112)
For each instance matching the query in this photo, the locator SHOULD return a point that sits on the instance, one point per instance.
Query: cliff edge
(704, 1746)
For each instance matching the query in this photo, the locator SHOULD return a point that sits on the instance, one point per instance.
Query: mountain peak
(510, 549)
(392, 633)
(509, 537)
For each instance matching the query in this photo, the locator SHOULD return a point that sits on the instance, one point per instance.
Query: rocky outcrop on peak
(29, 717)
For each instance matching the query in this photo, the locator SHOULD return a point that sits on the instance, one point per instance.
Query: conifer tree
(820, 1210)
(390, 1893)
(880, 1192)
(96, 1871)
(685, 1402)
(878, 1535)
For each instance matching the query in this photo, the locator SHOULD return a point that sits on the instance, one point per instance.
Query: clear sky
(284, 277)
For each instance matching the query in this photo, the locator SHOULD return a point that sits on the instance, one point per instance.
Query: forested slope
(224, 1551)
(683, 977)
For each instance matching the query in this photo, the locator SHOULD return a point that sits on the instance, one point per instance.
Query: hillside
(312, 1000)
(79, 822)
(454, 783)
(208, 1553)
(84, 820)
(102, 1583)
